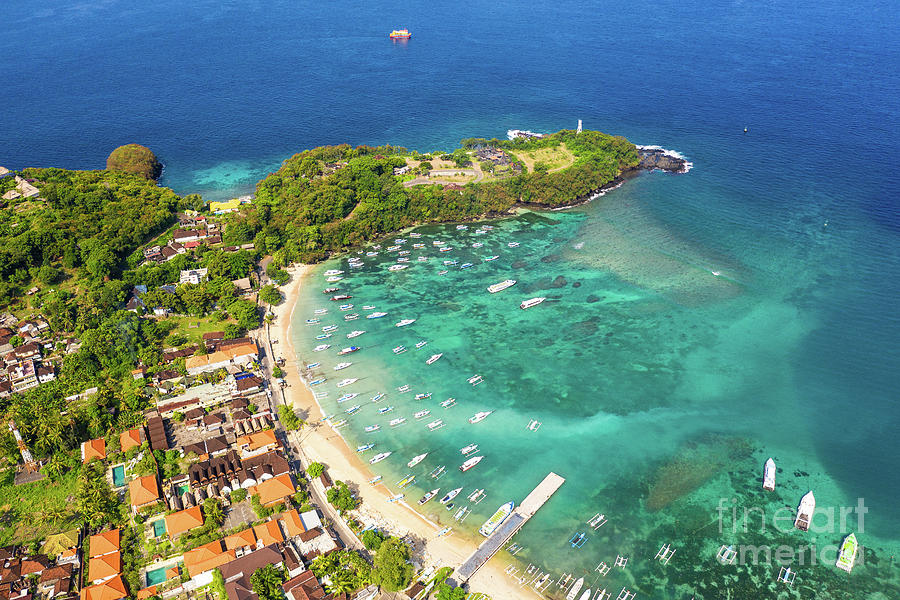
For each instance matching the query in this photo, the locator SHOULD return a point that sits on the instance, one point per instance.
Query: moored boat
(333, 279)
(313, 321)
(399, 349)
(331, 290)
(365, 447)
(377, 397)
(422, 414)
(437, 472)
(769, 475)
(355, 333)
(398, 267)
(340, 297)
(351, 317)
(321, 347)
(320, 311)
(331, 272)
(448, 402)
(379, 457)
(342, 365)
(404, 322)
(409, 479)
(513, 245)
(352, 409)
(490, 258)
(323, 336)
(349, 350)
(576, 587)
(385, 410)
(499, 287)
(416, 460)
(403, 388)
(805, 511)
(435, 425)
(480, 416)
(347, 381)
(397, 421)
(339, 424)
(496, 519)
(376, 315)
(450, 495)
(434, 358)
(531, 302)
(428, 496)
(372, 428)
(847, 557)
(395, 498)
(346, 397)
(466, 450)
(470, 463)
(329, 328)
(421, 344)
(376, 479)
(346, 307)
(424, 396)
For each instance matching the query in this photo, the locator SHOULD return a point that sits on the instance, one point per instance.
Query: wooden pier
(519, 516)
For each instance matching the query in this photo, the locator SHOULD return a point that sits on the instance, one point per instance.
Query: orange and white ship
(400, 34)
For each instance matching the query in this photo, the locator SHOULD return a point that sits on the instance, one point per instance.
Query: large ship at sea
(496, 519)
(400, 34)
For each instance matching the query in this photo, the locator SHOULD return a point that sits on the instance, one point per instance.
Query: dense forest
(328, 198)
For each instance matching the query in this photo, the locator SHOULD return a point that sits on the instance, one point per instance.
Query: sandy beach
(322, 444)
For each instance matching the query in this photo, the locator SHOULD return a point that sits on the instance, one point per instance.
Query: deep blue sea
(792, 351)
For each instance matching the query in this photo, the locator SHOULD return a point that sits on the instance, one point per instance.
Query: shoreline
(323, 444)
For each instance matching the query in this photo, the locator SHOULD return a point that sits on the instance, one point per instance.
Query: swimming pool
(159, 527)
(156, 576)
(118, 475)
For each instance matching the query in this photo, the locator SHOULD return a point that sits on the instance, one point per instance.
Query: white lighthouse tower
(577, 131)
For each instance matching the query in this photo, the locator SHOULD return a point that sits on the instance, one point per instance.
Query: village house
(236, 573)
(183, 521)
(242, 355)
(193, 276)
(112, 589)
(275, 490)
(132, 438)
(144, 491)
(92, 449)
(200, 561)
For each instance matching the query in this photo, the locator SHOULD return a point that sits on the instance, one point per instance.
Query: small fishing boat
(346, 307)
(377, 396)
(448, 403)
(342, 365)
(333, 279)
(422, 258)
(416, 460)
(317, 382)
(435, 425)
(399, 241)
(349, 350)
(348, 381)
(314, 365)
(371, 253)
(437, 472)
(576, 587)
(424, 396)
(340, 297)
(403, 253)
(418, 245)
(477, 245)
(415, 235)
(351, 317)
(376, 315)
(475, 379)
(376, 479)
(313, 321)
(339, 424)
(385, 409)
(586, 595)
(421, 344)
(450, 495)
(434, 358)
(461, 227)
(331, 272)
(355, 333)
(368, 307)
(429, 495)
(406, 481)
(805, 511)
(465, 266)
(499, 287)
(467, 450)
(513, 244)
(379, 457)
(422, 414)
(331, 290)
(346, 397)
(533, 425)
(480, 416)
(329, 328)
(490, 258)
(531, 302)
(443, 272)
(397, 421)
(403, 259)
(323, 336)
(847, 557)
(399, 349)
(393, 248)
(469, 464)
(769, 475)
(476, 495)
(438, 243)
(397, 267)
(321, 347)
(404, 322)
(496, 519)
(395, 498)
(443, 532)
(365, 447)
(445, 249)
(320, 311)
(352, 409)
(451, 263)
(372, 428)
(403, 388)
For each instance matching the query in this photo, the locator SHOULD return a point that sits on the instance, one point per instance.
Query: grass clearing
(556, 159)
(32, 511)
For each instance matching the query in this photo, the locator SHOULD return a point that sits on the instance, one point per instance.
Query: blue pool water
(118, 475)
(156, 576)
(159, 528)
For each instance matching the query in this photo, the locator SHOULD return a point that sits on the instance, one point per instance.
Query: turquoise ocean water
(661, 387)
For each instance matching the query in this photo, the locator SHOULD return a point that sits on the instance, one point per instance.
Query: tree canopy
(391, 568)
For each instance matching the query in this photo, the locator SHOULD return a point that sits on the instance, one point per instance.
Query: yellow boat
(400, 34)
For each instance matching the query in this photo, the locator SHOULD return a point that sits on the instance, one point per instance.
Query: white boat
(416, 460)
(586, 595)
(399, 241)
(479, 416)
(339, 424)
(513, 245)
(368, 307)
(805, 511)
(329, 328)
(434, 358)
(352, 409)
(404, 322)
(320, 311)
(487, 227)
(385, 409)
(847, 557)
(403, 259)
(376, 315)
(428, 496)
(531, 302)
(437, 472)
(314, 365)
(351, 317)
(346, 307)
(371, 253)
(395, 498)
(461, 227)
(422, 414)
(342, 365)
(355, 333)
(497, 518)
(379, 457)
(349, 350)
(450, 495)
(331, 272)
(415, 235)
(418, 246)
(435, 425)
(466, 265)
(422, 259)
(443, 272)
(403, 253)
(769, 475)
(409, 479)
(397, 267)
(576, 587)
(399, 349)
(323, 336)
(448, 403)
(438, 243)
(403, 388)
(339, 297)
(317, 381)
(397, 421)
(377, 396)
(490, 258)
(470, 463)
(344, 382)
(393, 248)
(421, 344)
(466, 450)
(365, 447)
(313, 321)
(477, 245)
(476, 495)
(346, 397)
(499, 287)
(372, 428)
(451, 263)
(376, 479)
(424, 396)
(321, 347)
(475, 379)
(333, 279)
(445, 249)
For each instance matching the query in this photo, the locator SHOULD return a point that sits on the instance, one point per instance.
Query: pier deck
(538, 496)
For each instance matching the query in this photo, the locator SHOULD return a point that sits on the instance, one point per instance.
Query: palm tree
(341, 582)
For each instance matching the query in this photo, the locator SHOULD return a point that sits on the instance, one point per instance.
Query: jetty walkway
(510, 526)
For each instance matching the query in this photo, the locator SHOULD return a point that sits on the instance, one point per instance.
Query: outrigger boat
(385, 409)
(320, 311)
(475, 379)
(349, 381)
(372, 428)
(467, 450)
(397, 421)
(365, 447)
(480, 416)
(450, 495)
(451, 262)
(416, 460)
(346, 397)
(421, 344)
(477, 495)
(404, 322)
(434, 358)
(376, 315)
(346, 307)
(399, 349)
(444, 531)
(406, 481)
(323, 336)
(395, 498)
(312, 366)
(448, 403)
(377, 397)
(351, 317)
(422, 414)
(376, 479)
(424, 396)
(847, 557)
(513, 245)
(317, 381)
(379, 457)
(331, 272)
(339, 424)
(403, 388)
(313, 321)
(355, 333)
(397, 267)
(435, 425)
(349, 350)
(342, 365)
(321, 347)
(470, 463)
(331, 290)
(428, 496)
(368, 307)
(437, 472)
(329, 328)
